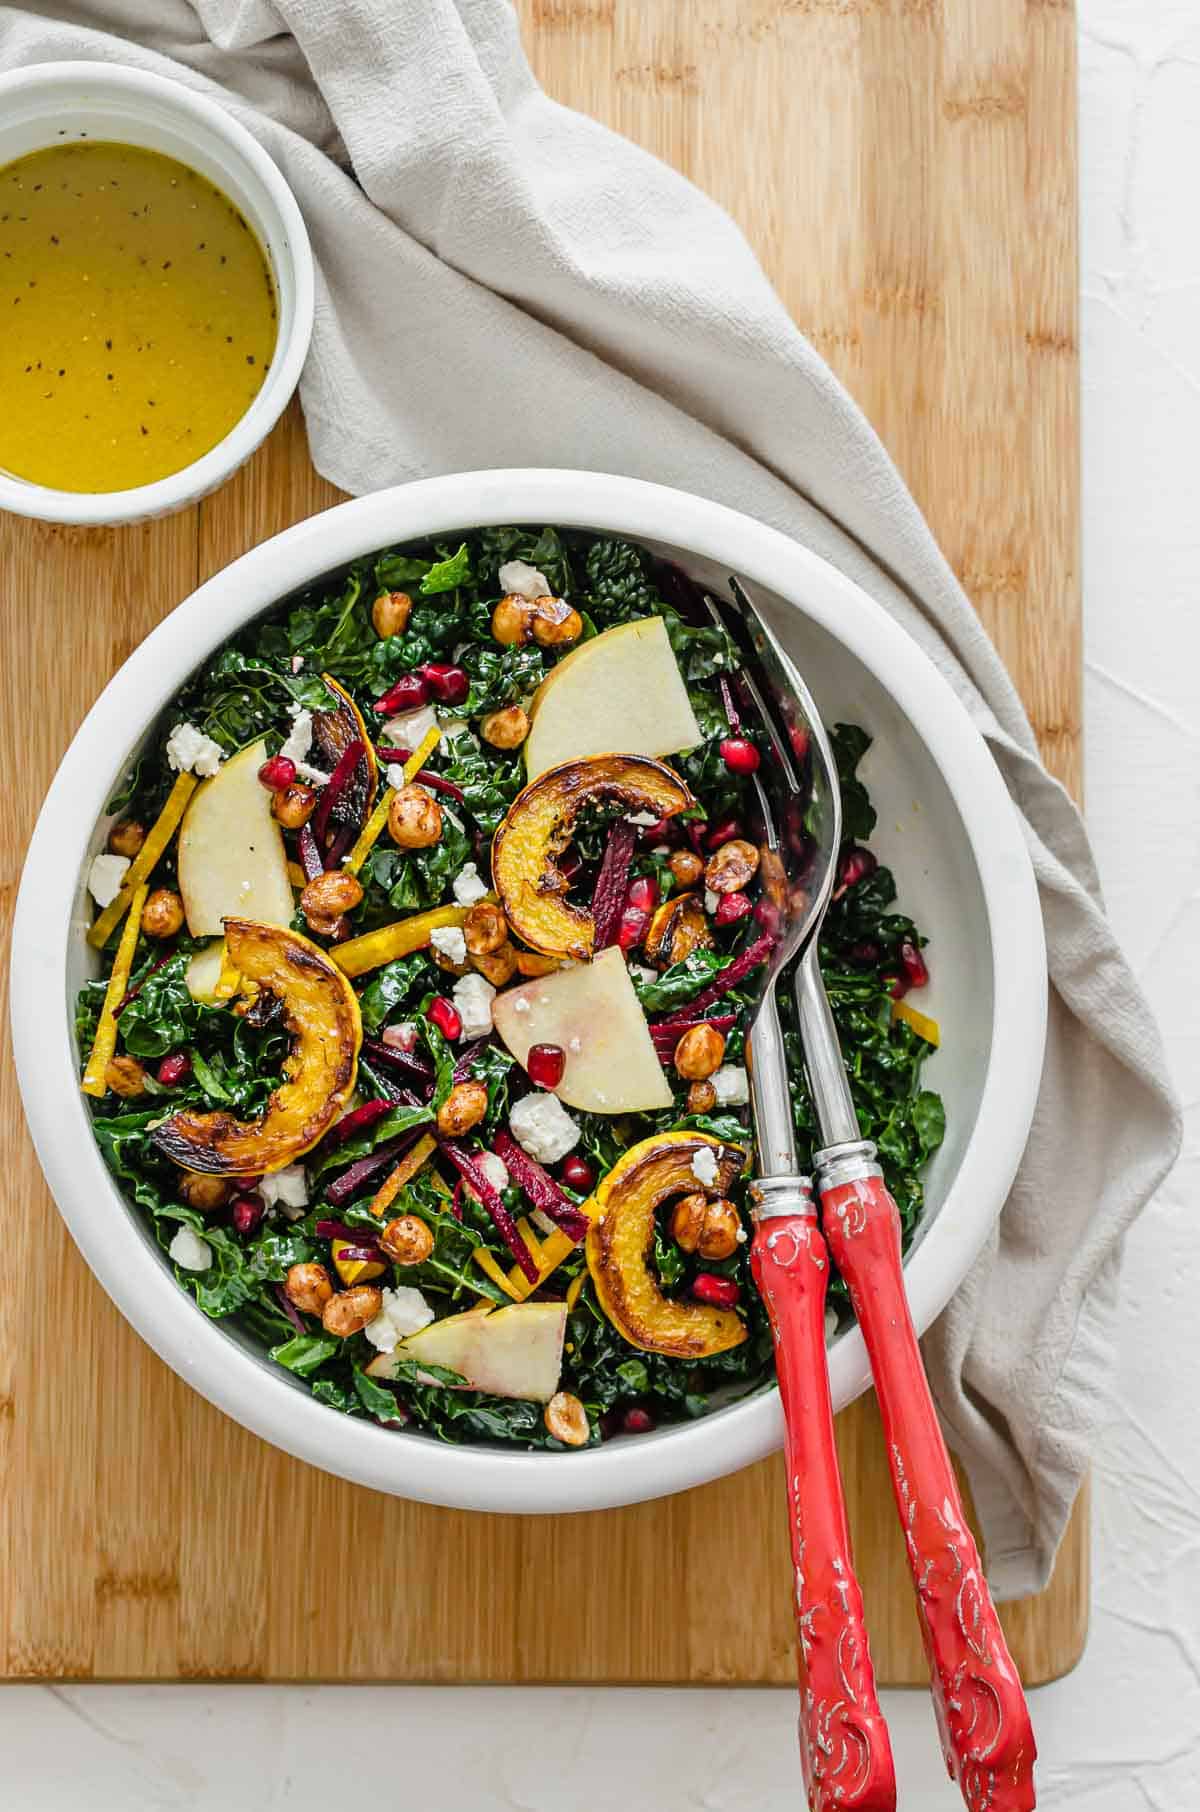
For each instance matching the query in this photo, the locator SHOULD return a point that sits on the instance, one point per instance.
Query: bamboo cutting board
(905, 168)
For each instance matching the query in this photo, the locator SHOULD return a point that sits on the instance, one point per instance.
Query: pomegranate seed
(854, 866)
(638, 1421)
(731, 907)
(866, 952)
(768, 915)
(720, 1292)
(643, 893)
(663, 830)
(445, 1017)
(410, 691)
(277, 773)
(577, 1173)
(545, 1064)
(245, 1214)
(723, 831)
(400, 1038)
(448, 684)
(894, 984)
(916, 970)
(739, 754)
(174, 1069)
(633, 927)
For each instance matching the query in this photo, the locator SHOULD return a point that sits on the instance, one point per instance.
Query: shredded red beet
(358, 1236)
(437, 783)
(345, 1187)
(407, 1063)
(290, 1310)
(541, 1188)
(462, 1067)
(335, 786)
(608, 900)
(505, 1225)
(666, 1036)
(731, 711)
(358, 1120)
(311, 860)
(737, 971)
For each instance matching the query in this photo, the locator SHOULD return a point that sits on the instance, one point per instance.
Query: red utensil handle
(987, 1737)
(844, 1745)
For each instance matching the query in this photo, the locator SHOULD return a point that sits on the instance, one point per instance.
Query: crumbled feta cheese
(449, 941)
(190, 751)
(314, 776)
(741, 1236)
(458, 726)
(704, 1166)
(711, 901)
(402, 1037)
(831, 1325)
(287, 1187)
(526, 581)
(105, 877)
(299, 739)
(297, 662)
(644, 819)
(473, 996)
(190, 1252)
(494, 1169)
(467, 886)
(395, 776)
(405, 1311)
(542, 1126)
(731, 1086)
(409, 729)
(640, 973)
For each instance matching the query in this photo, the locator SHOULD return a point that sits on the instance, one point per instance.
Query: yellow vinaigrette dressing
(137, 316)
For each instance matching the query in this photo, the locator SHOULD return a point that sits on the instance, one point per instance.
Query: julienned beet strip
(358, 1120)
(340, 1191)
(393, 1058)
(311, 859)
(612, 882)
(505, 1225)
(290, 1310)
(335, 786)
(736, 972)
(667, 1035)
(541, 1188)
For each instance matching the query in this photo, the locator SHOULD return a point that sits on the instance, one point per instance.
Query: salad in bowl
(430, 928)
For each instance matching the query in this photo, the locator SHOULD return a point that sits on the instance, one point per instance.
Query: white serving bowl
(57, 103)
(945, 822)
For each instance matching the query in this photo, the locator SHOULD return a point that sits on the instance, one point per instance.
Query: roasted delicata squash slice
(321, 1012)
(621, 1236)
(540, 824)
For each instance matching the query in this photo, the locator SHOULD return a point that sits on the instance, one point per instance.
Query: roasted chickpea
(701, 1098)
(162, 915)
(328, 897)
(686, 866)
(699, 1052)
(505, 729)
(414, 818)
(308, 1288)
(729, 868)
(350, 1310)
(292, 806)
(498, 966)
(126, 837)
(332, 926)
(463, 1108)
(204, 1193)
(709, 1228)
(407, 1240)
(555, 623)
(390, 613)
(566, 1419)
(125, 1076)
(512, 619)
(485, 928)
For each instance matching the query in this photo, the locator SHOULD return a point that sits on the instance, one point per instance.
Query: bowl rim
(124, 1256)
(44, 503)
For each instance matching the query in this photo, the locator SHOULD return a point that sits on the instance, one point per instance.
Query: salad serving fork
(982, 1715)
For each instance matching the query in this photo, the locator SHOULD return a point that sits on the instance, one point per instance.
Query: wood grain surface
(905, 169)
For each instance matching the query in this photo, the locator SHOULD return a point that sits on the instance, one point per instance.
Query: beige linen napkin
(503, 282)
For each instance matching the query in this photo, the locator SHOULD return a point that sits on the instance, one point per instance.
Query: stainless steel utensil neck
(773, 1197)
(771, 1098)
(823, 1064)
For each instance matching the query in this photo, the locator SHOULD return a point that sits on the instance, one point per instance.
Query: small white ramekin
(55, 103)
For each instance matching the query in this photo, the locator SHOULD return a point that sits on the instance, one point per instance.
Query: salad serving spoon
(983, 1718)
(844, 1746)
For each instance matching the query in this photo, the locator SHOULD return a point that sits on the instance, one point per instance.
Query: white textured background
(1122, 1734)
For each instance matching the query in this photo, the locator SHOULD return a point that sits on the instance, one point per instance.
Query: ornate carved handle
(987, 1737)
(844, 1745)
